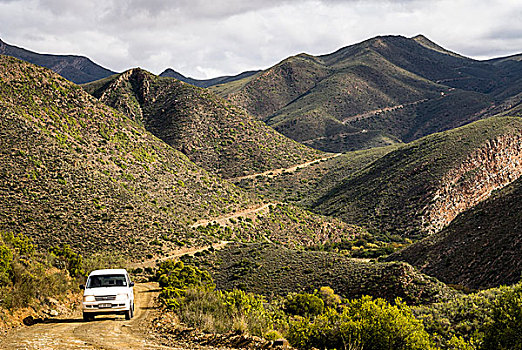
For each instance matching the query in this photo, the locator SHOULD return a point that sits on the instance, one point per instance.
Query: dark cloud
(204, 38)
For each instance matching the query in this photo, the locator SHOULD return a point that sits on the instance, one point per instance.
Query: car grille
(105, 297)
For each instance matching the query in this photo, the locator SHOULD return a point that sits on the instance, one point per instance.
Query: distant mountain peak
(204, 83)
(75, 68)
(427, 43)
(171, 73)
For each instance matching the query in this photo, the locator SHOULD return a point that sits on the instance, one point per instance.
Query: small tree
(68, 260)
(175, 278)
(505, 330)
(303, 304)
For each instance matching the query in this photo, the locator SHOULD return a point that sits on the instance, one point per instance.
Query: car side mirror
(131, 284)
(82, 286)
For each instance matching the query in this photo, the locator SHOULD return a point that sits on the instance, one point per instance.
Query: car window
(99, 281)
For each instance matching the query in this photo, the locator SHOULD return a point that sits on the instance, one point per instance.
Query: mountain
(378, 92)
(213, 133)
(480, 248)
(77, 69)
(76, 171)
(420, 187)
(170, 73)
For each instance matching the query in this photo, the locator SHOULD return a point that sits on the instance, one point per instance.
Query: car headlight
(89, 298)
(122, 297)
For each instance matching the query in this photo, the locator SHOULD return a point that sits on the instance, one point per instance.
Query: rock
(52, 313)
(52, 301)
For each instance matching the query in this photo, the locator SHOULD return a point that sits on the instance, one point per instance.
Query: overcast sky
(205, 38)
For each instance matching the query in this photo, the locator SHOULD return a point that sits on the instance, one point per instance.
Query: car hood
(106, 291)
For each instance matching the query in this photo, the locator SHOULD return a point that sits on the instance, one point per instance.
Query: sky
(208, 38)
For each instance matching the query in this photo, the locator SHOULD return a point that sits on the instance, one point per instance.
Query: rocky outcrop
(489, 168)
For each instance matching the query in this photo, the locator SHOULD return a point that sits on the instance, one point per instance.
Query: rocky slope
(76, 171)
(422, 186)
(77, 69)
(375, 93)
(210, 131)
(480, 248)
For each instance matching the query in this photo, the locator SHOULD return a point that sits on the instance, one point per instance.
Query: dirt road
(106, 332)
(222, 220)
(275, 172)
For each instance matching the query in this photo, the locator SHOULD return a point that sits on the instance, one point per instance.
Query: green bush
(303, 304)
(505, 330)
(328, 296)
(66, 259)
(175, 278)
(222, 311)
(372, 324)
(26, 278)
(6, 265)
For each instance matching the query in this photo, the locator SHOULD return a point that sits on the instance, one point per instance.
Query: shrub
(26, 278)
(222, 311)
(303, 304)
(367, 323)
(6, 261)
(505, 330)
(175, 278)
(66, 259)
(328, 296)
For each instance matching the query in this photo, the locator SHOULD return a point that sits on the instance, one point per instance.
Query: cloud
(204, 38)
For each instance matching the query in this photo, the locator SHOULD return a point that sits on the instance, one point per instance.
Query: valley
(373, 192)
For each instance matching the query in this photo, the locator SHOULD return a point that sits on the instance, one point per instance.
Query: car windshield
(98, 281)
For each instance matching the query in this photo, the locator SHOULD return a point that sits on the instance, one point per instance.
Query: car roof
(109, 272)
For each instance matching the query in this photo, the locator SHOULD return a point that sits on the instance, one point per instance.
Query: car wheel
(87, 317)
(128, 314)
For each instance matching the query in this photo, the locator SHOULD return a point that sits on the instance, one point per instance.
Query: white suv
(108, 292)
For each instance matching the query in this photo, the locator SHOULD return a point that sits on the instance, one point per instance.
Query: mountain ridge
(213, 133)
(422, 186)
(377, 92)
(171, 73)
(75, 68)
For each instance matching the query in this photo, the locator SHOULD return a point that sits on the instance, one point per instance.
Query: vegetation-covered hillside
(375, 93)
(420, 187)
(307, 184)
(273, 270)
(210, 131)
(76, 171)
(480, 249)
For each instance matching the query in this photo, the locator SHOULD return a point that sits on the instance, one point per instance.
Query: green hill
(375, 93)
(210, 131)
(272, 270)
(76, 171)
(422, 186)
(480, 248)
